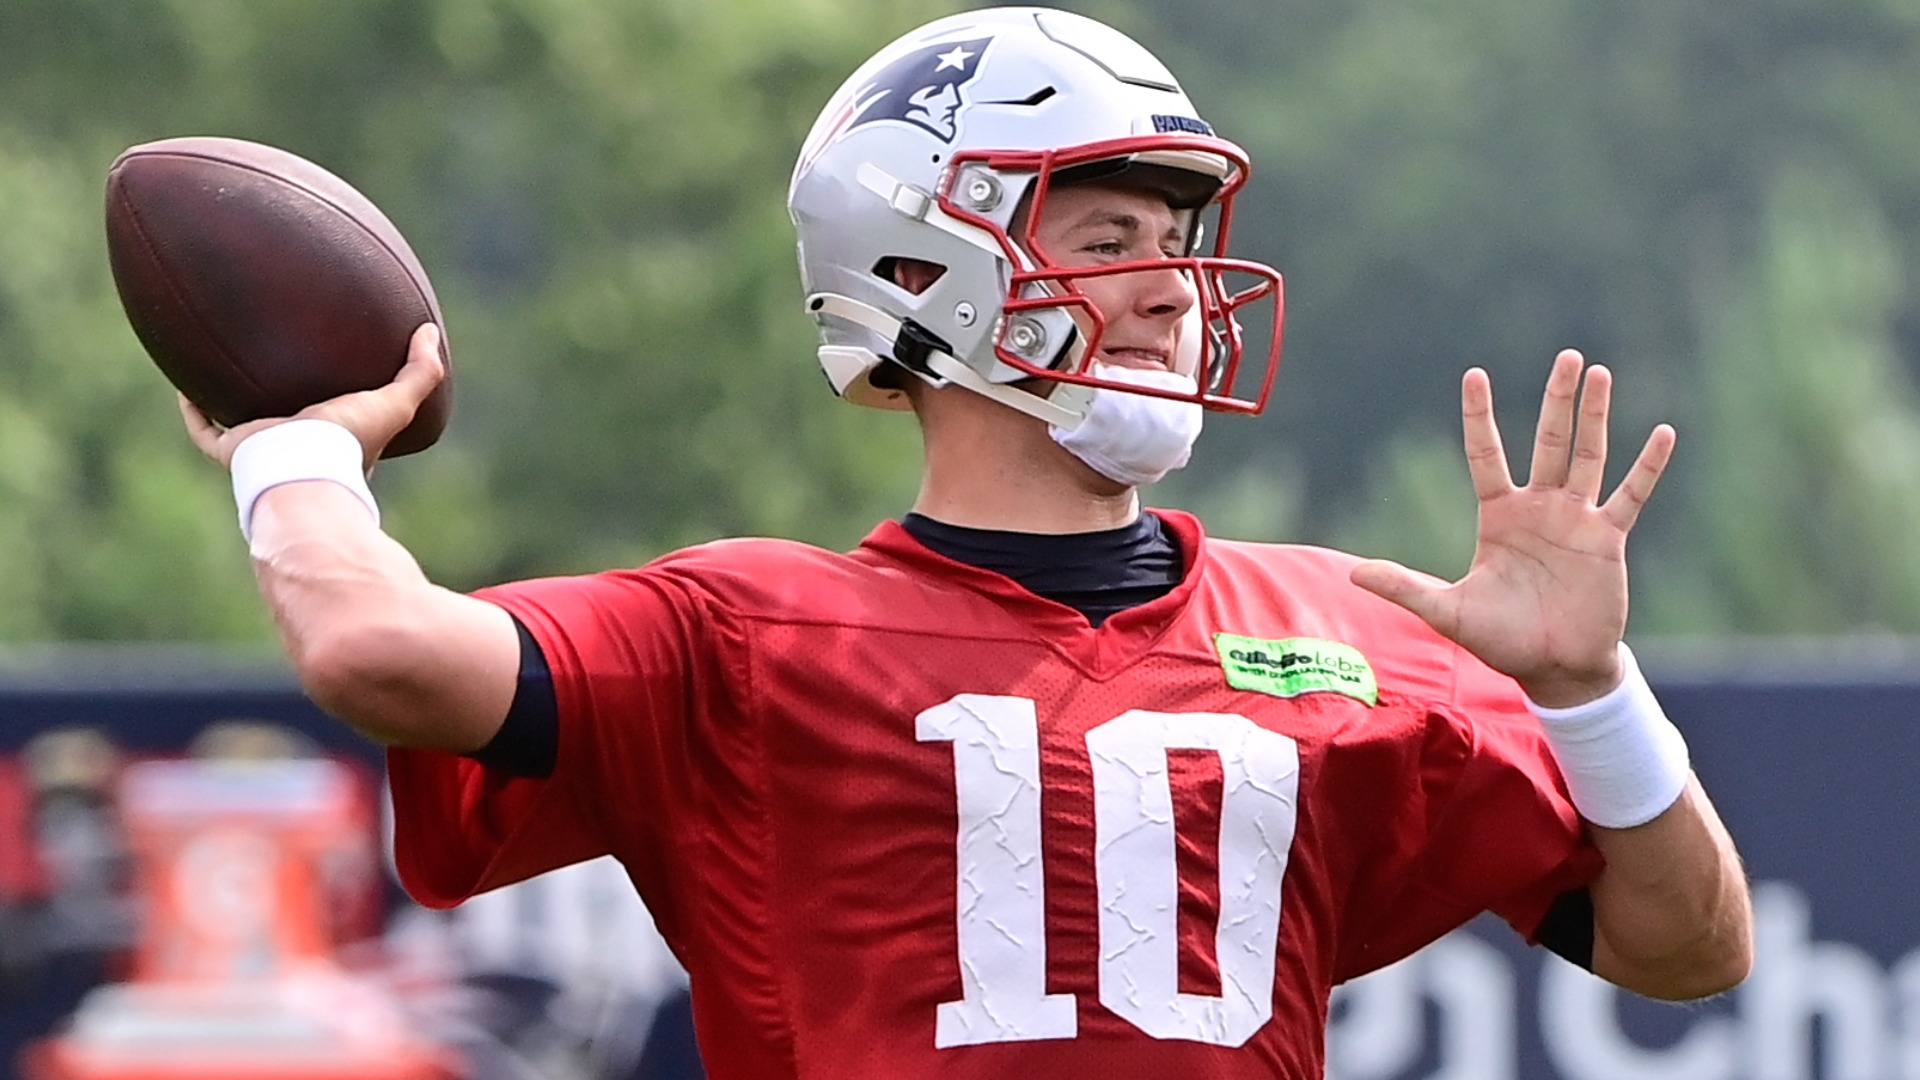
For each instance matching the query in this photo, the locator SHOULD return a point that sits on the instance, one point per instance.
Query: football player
(1032, 782)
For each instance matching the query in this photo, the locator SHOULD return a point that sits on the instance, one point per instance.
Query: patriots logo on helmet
(922, 88)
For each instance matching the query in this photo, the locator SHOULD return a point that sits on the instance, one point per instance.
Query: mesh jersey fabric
(1095, 573)
(745, 725)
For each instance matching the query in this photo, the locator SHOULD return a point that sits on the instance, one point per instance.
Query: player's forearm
(1672, 918)
(374, 642)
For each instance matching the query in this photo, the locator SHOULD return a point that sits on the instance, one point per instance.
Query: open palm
(1545, 600)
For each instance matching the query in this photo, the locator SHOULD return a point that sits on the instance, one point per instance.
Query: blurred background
(1719, 201)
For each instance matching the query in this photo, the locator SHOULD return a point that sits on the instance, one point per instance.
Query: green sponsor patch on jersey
(1294, 666)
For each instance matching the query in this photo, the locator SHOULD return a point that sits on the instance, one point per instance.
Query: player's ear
(914, 275)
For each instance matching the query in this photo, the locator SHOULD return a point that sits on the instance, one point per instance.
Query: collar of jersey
(1101, 651)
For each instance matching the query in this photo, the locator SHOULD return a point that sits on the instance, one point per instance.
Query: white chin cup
(1135, 439)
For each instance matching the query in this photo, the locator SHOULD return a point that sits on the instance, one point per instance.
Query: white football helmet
(930, 151)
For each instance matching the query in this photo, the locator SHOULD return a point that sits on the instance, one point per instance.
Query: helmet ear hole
(914, 275)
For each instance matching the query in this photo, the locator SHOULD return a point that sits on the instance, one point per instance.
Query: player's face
(1090, 225)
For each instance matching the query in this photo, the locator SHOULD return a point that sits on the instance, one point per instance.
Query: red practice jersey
(901, 818)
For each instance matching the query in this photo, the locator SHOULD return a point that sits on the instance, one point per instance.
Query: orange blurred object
(240, 865)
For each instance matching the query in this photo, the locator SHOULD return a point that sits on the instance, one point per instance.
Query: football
(260, 283)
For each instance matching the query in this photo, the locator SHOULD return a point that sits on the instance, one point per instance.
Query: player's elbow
(1714, 962)
(1732, 970)
(1701, 976)
(1728, 963)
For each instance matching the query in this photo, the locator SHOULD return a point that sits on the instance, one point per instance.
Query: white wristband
(297, 450)
(1624, 761)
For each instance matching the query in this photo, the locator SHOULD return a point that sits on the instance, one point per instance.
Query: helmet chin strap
(1065, 413)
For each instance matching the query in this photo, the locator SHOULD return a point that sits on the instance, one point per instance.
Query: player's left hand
(1545, 600)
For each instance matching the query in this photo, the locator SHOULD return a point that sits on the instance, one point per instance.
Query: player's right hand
(374, 416)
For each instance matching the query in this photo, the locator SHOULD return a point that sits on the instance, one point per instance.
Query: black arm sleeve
(529, 739)
(1567, 929)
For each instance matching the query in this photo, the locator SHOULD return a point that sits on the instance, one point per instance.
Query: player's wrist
(298, 450)
(1572, 691)
(1624, 761)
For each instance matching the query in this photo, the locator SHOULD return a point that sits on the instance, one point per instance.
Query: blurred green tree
(597, 188)
(1811, 503)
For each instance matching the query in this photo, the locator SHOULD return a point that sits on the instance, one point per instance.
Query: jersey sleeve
(624, 649)
(1496, 830)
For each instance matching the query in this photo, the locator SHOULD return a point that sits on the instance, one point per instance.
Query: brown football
(261, 283)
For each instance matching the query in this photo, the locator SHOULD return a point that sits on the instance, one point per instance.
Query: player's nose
(1164, 292)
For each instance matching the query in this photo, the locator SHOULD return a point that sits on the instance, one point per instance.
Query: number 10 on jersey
(1001, 884)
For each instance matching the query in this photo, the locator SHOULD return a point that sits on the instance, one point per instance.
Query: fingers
(1624, 505)
(201, 430)
(1590, 441)
(1553, 435)
(1486, 458)
(1575, 455)
(423, 369)
(1422, 594)
(374, 416)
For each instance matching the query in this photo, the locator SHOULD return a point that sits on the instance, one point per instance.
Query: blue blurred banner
(1815, 780)
(1812, 770)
